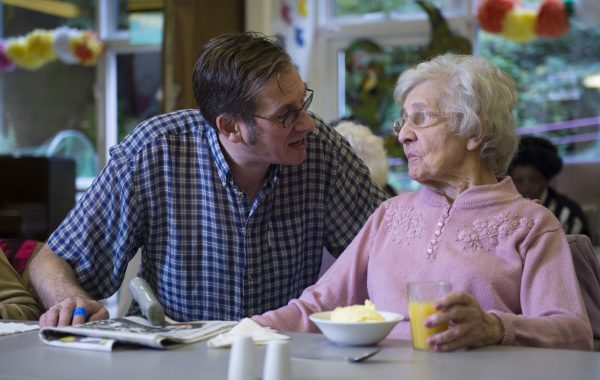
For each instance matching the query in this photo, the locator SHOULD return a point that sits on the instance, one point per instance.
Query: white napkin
(246, 327)
(7, 328)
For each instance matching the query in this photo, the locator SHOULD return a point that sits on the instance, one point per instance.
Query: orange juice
(418, 312)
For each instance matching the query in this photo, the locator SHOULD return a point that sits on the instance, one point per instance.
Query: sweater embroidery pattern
(403, 224)
(484, 234)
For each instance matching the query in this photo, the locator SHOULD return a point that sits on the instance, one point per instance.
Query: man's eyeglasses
(291, 117)
(419, 119)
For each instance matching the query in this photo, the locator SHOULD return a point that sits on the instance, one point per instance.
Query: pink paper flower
(6, 64)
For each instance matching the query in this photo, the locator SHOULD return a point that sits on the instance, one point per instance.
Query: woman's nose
(406, 134)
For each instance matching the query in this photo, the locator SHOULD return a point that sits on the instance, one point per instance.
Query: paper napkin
(13, 328)
(246, 327)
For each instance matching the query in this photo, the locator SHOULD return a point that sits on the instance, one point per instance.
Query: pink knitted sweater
(509, 252)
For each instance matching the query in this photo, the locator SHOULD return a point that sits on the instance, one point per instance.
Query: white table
(24, 356)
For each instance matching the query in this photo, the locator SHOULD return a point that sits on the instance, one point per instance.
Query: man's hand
(62, 313)
(469, 326)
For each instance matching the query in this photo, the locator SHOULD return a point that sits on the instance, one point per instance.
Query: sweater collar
(476, 196)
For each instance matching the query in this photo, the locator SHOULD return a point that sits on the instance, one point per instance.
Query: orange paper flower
(552, 19)
(86, 47)
(491, 14)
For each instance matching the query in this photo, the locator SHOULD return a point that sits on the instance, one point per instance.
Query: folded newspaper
(105, 334)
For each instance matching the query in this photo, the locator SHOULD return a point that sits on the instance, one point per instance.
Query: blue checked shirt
(207, 252)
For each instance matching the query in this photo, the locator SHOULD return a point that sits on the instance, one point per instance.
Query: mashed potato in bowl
(357, 313)
(357, 325)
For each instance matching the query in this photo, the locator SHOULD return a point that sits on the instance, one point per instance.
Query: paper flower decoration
(39, 47)
(86, 47)
(6, 64)
(519, 25)
(522, 25)
(31, 51)
(62, 44)
(552, 19)
(490, 14)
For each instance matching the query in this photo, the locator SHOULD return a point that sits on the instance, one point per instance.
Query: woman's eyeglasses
(419, 119)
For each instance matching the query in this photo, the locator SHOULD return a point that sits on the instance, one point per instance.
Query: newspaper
(105, 334)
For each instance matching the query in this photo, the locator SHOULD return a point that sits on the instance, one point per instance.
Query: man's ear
(229, 127)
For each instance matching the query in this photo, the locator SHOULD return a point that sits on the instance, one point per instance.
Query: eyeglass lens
(293, 116)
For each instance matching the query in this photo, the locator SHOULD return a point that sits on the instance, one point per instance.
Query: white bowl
(355, 333)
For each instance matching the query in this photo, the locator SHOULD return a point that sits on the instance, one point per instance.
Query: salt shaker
(277, 361)
(241, 359)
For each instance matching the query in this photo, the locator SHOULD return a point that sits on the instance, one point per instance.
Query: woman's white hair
(482, 94)
(368, 147)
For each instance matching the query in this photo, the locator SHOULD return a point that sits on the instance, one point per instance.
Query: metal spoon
(356, 358)
(364, 356)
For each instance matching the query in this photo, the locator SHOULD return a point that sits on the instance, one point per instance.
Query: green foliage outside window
(549, 74)
(359, 7)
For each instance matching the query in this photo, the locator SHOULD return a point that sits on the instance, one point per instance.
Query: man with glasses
(231, 205)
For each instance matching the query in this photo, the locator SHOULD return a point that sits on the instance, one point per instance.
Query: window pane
(49, 110)
(343, 8)
(554, 78)
(371, 72)
(139, 83)
(125, 8)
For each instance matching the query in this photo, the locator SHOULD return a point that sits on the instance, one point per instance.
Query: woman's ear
(473, 143)
(229, 127)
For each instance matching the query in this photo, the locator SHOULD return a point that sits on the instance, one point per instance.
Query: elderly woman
(507, 257)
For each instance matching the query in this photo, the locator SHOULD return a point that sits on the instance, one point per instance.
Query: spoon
(364, 356)
(356, 358)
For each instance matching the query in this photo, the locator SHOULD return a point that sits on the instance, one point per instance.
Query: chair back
(587, 269)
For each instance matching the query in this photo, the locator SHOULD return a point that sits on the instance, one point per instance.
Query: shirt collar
(217, 153)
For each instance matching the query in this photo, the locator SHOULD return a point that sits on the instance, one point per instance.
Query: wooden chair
(587, 269)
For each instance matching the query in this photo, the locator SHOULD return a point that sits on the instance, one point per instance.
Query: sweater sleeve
(344, 284)
(552, 308)
(15, 301)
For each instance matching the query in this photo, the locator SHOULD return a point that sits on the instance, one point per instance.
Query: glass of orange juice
(421, 296)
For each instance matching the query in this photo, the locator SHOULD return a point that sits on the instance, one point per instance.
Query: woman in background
(536, 163)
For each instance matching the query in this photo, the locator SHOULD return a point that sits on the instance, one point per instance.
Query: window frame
(115, 42)
(336, 33)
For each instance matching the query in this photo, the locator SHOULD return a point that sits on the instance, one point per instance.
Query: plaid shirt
(207, 252)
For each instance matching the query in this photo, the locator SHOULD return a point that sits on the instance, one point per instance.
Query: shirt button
(240, 195)
(430, 251)
(433, 242)
(437, 233)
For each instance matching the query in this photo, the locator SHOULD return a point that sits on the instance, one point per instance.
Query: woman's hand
(469, 326)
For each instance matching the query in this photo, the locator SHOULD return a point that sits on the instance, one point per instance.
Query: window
(49, 110)
(558, 97)
(76, 110)
(557, 79)
(367, 45)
